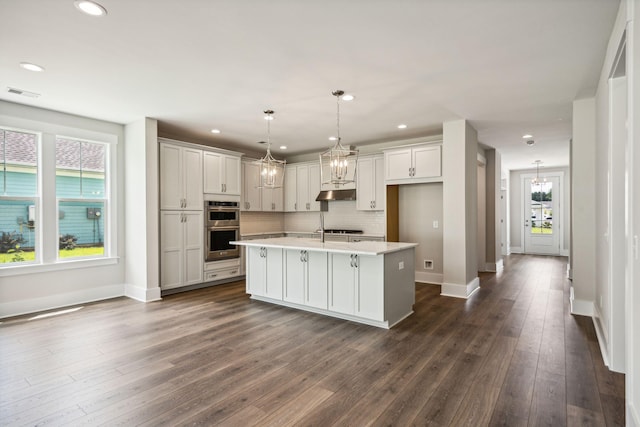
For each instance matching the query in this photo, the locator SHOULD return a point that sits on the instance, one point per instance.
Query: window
(81, 193)
(19, 197)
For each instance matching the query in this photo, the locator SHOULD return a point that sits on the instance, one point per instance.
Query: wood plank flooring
(510, 355)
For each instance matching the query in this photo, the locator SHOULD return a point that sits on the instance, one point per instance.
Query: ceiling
(510, 67)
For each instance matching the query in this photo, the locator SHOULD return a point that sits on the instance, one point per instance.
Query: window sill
(18, 270)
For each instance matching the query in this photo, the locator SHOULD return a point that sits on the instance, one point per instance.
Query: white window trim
(42, 264)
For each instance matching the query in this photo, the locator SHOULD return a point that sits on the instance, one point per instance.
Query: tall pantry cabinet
(181, 216)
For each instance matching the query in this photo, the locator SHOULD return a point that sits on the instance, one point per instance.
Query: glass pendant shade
(338, 164)
(270, 169)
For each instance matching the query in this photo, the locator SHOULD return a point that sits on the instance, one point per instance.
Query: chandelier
(271, 170)
(338, 164)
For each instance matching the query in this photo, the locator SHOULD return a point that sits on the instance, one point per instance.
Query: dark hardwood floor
(510, 355)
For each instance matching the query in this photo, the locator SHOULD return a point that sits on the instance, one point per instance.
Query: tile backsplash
(341, 214)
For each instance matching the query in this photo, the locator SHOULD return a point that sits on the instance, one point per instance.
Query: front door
(541, 215)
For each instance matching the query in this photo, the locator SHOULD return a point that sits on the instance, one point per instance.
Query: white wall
(459, 201)
(45, 287)
(141, 211)
(516, 207)
(419, 206)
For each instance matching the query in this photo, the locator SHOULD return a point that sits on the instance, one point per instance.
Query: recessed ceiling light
(402, 126)
(90, 7)
(527, 136)
(31, 67)
(215, 130)
(332, 138)
(283, 147)
(348, 97)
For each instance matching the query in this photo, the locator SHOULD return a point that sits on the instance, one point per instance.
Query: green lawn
(63, 253)
(541, 230)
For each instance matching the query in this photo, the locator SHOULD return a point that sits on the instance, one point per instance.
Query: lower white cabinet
(219, 270)
(181, 248)
(306, 278)
(264, 271)
(356, 285)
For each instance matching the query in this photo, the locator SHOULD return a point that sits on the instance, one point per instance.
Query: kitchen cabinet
(306, 278)
(265, 271)
(272, 199)
(356, 285)
(251, 195)
(181, 248)
(221, 173)
(225, 269)
(180, 178)
(302, 186)
(418, 163)
(371, 187)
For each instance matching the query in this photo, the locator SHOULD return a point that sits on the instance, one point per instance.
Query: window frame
(47, 206)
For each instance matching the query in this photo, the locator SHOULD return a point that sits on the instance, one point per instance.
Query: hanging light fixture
(536, 180)
(271, 170)
(338, 164)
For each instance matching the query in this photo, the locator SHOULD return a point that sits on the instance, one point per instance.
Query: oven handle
(222, 228)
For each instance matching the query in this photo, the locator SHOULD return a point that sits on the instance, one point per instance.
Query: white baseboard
(581, 307)
(601, 333)
(515, 250)
(425, 277)
(33, 305)
(142, 294)
(494, 267)
(460, 291)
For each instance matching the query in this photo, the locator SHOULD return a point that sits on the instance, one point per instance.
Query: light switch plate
(401, 265)
(435, 224)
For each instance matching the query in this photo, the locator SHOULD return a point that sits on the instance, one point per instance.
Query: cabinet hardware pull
(234, 272)
(301, 256)
(355, 261)
(351, 263)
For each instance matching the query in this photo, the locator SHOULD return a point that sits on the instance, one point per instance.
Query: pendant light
(338, 164)
(271, 170)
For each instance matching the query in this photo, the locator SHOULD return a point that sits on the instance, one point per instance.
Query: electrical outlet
(428, 264)
(401, 265)
(435, 224)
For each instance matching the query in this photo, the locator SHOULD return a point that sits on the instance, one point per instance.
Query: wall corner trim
(460, 291)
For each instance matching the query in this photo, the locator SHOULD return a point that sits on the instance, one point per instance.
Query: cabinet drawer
(221, 274)
(219, 265)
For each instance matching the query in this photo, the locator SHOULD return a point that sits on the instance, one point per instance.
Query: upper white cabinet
(302, 186)
(221, 173)
(251, 194)
(417, 163)
(370, 191)
(259, 199)
(180, 178)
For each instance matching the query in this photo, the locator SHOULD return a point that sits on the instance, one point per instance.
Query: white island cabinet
(366, 282)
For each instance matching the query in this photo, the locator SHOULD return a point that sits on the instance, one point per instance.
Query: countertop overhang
(359, 248)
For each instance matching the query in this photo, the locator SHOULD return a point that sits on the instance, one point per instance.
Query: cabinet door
(294, 277)
(193, 244)
(314, 187)
(290, 189)
(171, 253)
(370, 287)
(272, 200)
(170, 177)
(274, 273)
(342, 284)
(317, 280)
(231, 178)
(256, 271)
(251, 194)
(302, 190)
(213, 172)
(397, 164)
(427, 161)
(379, 187)
(192, 178)
(365, 194)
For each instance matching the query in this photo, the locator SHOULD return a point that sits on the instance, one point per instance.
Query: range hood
(328, 195)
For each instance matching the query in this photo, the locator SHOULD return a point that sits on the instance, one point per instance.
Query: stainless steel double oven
(222, 225)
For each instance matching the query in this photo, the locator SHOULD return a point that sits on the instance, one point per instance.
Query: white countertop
(359, 248)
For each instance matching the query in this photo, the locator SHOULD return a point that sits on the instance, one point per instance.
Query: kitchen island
(366, 282)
